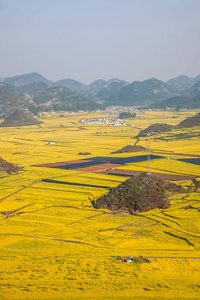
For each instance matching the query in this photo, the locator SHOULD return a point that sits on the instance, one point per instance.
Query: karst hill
(139, 194)
(20, 117)
(9, 167)
(159, 127)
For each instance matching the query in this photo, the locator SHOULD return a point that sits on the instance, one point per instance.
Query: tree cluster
(9, 167)
(127, 115)
(139, 194)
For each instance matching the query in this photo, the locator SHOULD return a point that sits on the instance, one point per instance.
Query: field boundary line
(48, 238)
(26, 187)
(169, 226)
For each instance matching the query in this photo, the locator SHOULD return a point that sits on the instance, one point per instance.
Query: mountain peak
(25, 79)
(20, 117)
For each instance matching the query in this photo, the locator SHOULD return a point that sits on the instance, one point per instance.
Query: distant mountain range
(60, 98)
(38, 93)
(177, 103)
(182, 83)
(9, 102)
(32, 89)
(26, 79)
(141, 93)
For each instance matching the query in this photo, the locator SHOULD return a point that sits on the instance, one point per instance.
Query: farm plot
(54, 243)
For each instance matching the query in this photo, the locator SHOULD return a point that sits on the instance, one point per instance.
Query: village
(115, 110)
(108, 121)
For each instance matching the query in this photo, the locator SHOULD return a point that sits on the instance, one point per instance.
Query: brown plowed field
(104, 169)
(99, 168)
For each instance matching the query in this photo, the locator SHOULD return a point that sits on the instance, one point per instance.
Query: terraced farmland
(55, 245)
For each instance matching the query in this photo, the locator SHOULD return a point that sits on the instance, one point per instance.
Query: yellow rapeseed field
(55, 245)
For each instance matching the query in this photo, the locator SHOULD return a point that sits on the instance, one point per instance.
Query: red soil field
(104, 169)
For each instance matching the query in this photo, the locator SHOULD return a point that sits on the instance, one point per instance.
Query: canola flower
(54, 244)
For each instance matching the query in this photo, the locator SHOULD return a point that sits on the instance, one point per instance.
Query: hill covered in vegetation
(182, 83)
(9, 167)
(37, 96)
(155, 129)
(127, 115)
(177, 93)
(139, 194)
(141, 93)
(110, 88)
(20, 117)
(130, 148)
(32, 89)
(159, 127)
(7, 101)
(190, 122)
(25, 79)
(177, 103)
(60, 98)
(10, 102)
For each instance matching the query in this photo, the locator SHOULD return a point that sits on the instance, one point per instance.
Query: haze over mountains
(35, 92)
(182, 83)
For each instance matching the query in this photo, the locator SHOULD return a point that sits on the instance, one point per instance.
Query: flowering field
(55, 245)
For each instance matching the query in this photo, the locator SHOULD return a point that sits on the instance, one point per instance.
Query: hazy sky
(92, 39)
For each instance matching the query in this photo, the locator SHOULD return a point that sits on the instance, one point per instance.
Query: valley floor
(55, 245)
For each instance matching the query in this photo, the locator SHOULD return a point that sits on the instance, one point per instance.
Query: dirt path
(26, 187)
(91, 217)
(66, 241)
(11, 212)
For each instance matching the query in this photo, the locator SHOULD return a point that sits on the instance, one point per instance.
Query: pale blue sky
(92, 39)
